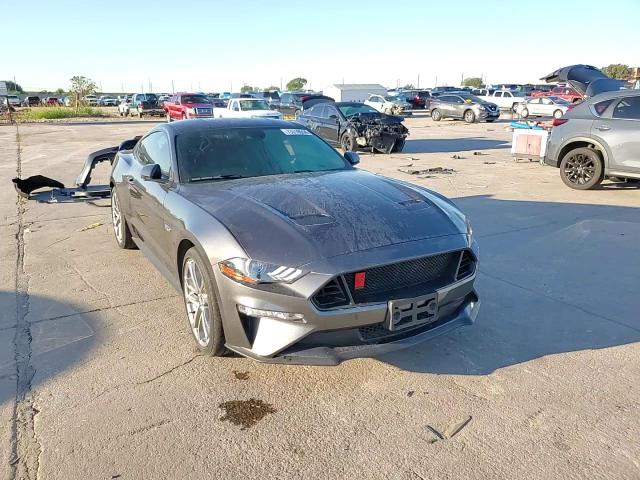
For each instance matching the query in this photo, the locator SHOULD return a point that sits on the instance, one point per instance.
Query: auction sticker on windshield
(295, 131)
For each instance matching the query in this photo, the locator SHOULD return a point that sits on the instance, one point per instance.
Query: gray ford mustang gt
(283, 251)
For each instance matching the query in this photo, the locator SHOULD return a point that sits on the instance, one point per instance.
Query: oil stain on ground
(241, 375)
(245, 413)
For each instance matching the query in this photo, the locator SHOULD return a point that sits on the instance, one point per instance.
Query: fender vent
(330, 296)
(467, 266)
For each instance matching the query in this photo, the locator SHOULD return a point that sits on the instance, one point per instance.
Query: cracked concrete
(549, 373)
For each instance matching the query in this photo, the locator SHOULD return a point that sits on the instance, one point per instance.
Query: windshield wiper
(215, 177)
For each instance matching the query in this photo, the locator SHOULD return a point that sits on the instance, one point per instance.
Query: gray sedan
(283, 251)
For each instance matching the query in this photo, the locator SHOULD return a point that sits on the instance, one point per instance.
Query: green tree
(618, 71)
(247, 88)
(475, 82)
(296, 83)
(81, 87)
(272, 88)
(60, 91)
(409, 86)
(13, 87)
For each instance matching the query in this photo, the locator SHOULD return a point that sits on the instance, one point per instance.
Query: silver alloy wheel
(197, 302)
(116, 217)
(469, 116)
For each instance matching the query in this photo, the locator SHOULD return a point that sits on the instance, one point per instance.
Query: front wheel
(201, 304)
(469, 116)
(120, 227)
(581, 169)
(524, 113)
(348, 142)
(436, 115)
(557, 114)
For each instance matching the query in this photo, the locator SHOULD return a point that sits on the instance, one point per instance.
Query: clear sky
(214, 45)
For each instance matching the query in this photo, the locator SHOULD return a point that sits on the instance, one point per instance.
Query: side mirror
(352, 157)
(151, 172)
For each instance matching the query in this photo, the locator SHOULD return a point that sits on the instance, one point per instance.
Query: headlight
(252, 272)
(469, 231)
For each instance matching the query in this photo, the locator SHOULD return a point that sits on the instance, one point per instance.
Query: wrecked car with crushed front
(353, 125)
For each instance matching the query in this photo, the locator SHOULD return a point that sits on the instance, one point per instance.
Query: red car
(52, 101)
(566, 93)
(183, 106)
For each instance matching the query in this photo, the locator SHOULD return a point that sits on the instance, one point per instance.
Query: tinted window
(329, 110)
(155, 149)
(317, 111)
(285, 98)
(600, 107)
(628, 108)
(498, 94)
(208, 154)
(195, 99)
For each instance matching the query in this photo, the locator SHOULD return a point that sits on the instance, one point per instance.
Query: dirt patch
(241, 375)
(245, 413)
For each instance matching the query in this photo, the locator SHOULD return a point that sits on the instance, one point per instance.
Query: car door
(376, 102)
(546, 106)
(147, 196)
(330, 126)
(621, 132)
(312, 119)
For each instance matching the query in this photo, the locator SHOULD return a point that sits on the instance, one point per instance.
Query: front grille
(404, 279)
(331, 295)
(467, 266)
(203, 111)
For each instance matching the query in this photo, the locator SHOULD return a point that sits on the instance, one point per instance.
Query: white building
(353, 92)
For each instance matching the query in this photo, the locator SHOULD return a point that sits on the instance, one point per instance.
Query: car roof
(613, 95)
(220, 123)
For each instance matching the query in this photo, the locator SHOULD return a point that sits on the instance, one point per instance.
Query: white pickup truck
(246, 108)
(505, 99)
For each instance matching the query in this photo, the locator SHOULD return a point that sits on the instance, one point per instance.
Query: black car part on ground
(382, 132)
(585, 79)
(26, 186)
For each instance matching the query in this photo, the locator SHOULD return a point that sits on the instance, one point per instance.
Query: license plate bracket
(410, 312)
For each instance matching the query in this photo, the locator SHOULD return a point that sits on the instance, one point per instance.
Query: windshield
(471, 98)
(150, 97)
(220, 154)
(353, 108)
(254, 104)
(195, 99)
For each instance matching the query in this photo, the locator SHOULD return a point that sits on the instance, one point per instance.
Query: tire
(436, 115)
(557, 114)
(469, 116)
(581, 169)
(348, 142)
(201, 305)
(491, 120)
(296, 114)
(514, 107)
(524, 113)
(169, 119)
(119, 222)
(139, 114)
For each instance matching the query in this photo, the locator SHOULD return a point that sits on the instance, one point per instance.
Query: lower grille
(331, 295)
(467, 266)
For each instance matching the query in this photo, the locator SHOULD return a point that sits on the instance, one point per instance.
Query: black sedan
(351, 125)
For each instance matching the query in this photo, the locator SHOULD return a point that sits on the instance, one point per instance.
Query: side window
(534, 101)
(546, 101)
(600, 107)
(507, 94)
(628, 108)
(498, 94)
(319, 111)
(235, 106)
(155, 149)
(329, 110)
(286, 98)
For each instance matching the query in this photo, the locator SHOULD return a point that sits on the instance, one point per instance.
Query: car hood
(375, 118)
(198, 105)
(295, 219)
(585, 79)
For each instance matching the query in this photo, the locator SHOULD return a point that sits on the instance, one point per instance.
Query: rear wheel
(557, 114)
(524, 113)
(469, 116)
(436, 115)
(581, 169)
(120, 227)
(201, 303)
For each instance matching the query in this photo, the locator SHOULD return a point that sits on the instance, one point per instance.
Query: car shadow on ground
(449, 145)
(58, 335)
(554, 278)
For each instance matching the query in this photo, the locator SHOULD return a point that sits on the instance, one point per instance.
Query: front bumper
(329, 336)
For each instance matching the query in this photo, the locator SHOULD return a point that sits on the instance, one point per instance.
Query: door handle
(603, 128)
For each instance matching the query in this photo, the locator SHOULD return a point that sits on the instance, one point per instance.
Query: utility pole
(418, 86)
(436, 84)
(280, 83)
(150, 89)
(173, 89)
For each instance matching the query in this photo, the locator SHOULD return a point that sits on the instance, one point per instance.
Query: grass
(52, 113)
